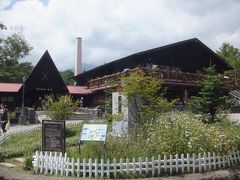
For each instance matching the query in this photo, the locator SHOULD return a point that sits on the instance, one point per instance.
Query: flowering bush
(176, 133)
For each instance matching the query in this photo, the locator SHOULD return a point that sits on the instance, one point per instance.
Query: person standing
(81, 102)
(4, 117)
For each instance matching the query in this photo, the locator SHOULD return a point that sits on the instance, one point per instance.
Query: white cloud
(114, 29)
(4, 3)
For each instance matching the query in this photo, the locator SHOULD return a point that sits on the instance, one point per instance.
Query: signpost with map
(93, 132)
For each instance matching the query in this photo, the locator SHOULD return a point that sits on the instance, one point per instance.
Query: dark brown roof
(189, 56)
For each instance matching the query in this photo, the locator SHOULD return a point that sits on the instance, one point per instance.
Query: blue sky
(112, 29)
(12, 2)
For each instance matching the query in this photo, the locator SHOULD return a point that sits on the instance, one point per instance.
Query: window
(7, 98)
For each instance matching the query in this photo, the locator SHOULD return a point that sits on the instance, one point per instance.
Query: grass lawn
(27, 143)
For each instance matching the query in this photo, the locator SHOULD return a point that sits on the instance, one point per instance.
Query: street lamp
(22, 117)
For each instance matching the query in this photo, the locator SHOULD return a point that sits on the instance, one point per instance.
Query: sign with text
(53, 136)
(94, 132)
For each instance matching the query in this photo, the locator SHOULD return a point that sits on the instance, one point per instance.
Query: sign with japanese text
(94, 132)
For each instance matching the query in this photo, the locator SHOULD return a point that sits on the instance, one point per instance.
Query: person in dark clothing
(4, 117)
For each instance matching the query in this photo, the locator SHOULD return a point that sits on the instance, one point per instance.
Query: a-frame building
(43, 80)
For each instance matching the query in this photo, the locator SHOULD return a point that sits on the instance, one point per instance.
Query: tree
(145, 96)
(232, 56)
(67, 75)
(211, 97)
(12, 49)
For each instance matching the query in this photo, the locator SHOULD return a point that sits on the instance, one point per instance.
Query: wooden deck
(170, 78)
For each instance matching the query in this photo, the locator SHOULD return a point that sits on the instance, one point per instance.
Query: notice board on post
(53, 136)
(94, 132)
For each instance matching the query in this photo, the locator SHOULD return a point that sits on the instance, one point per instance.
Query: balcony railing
(168, 77)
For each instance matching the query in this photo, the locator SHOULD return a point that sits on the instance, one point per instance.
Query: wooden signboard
(53, 136)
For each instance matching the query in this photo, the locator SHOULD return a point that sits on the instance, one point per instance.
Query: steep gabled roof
(45, 77)
(189, 56)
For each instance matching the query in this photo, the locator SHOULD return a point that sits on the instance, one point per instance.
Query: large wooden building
(179, 65)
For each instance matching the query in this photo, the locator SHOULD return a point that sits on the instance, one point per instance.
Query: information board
(94, 132)
(53, 136)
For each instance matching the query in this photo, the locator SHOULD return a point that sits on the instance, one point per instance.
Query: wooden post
(73, 167)
(79, 148)
(159, 165)
(140, 166)
(185, 96)
(193, 163)
(165, 164)
(209, 161)
(170, 164)
(176, 157)
(90, 167)
(78, 167)
(102, 168)
(108, 168)
(46, 162)
(84, 168)
(67, 168)
(127, 162)
(114, 168)
(146, 165)
(153, 167)
(96, 168)
(204, 162)
(188, 162)
(182, 161)
(36, 159)
(214, 161)
(199, 163)
(121, 166)
(56, 163)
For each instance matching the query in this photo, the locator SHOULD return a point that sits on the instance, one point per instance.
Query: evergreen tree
(211, 97)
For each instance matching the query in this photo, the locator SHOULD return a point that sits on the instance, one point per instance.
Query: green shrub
(60, 108)
(173, 133)
(27, 164)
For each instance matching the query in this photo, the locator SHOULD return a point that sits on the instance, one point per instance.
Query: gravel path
(7, 174)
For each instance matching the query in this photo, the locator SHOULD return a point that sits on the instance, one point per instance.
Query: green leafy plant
(12, 49)
(145, 96)
(211, 98)
(27, 164)
(60, 108)
(232, 56)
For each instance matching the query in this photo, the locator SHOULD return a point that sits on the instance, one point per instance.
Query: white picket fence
(58, 164)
